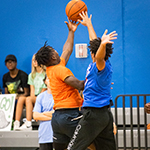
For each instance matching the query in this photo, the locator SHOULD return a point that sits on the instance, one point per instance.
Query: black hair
(43, 56)
(94, 45)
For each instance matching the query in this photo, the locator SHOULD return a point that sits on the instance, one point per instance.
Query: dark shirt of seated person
(15, 81)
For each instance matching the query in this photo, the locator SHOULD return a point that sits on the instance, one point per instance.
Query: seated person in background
(43, 111)
(35, 80)
(15, 81)
(147, 110)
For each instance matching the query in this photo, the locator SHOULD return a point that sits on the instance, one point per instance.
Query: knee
(28, 100)
(21, 100)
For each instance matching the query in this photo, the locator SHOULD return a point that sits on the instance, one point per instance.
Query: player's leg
(46, 146)
(88, 128)
(105, 139)
(64, 123)
(59, 146)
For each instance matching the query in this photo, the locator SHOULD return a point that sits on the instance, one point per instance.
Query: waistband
(66, 109)
(107, 106)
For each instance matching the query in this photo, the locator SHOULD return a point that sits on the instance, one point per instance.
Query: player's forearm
(40, 116)
(79, 85)
(92, 33)
(74, 82)
(100, 55)
(68, 46)
(48, 113)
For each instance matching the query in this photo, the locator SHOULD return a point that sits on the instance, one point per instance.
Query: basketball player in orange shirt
(64, 87)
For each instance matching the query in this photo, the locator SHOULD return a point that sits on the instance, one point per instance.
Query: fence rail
(129, 125)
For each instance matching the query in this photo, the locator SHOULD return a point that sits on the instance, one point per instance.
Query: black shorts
(96, 126)
(46, 146)
(64, 122)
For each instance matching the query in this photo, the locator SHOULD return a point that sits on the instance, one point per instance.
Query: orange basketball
(73, 8)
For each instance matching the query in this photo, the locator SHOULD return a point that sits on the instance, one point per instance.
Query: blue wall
(27, 24)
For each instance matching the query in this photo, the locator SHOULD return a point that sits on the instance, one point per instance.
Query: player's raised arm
(68, 46)
(101, 52)
(86, 21)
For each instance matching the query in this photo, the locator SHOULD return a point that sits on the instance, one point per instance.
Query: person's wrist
(71, 31)
(89, 24)
(103, 43)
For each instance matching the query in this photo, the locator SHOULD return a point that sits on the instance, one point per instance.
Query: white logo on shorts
(74, 136)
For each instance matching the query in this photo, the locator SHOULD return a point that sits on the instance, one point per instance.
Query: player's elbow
(35, 117)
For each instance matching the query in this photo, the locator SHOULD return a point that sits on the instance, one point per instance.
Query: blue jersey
(44, 102)
(97, 86)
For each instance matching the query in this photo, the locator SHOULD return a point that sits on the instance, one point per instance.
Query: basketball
(73, 8)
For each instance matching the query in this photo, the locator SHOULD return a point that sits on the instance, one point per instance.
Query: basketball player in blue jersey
(96, 125)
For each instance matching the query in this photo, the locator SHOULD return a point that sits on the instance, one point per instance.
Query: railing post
(124, 123)
(116, 121)
(145, 124)
(131, 121)
(138, 123)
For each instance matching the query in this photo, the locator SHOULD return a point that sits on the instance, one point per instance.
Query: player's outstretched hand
(109, 37)
(85, 19)
(72, 25)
